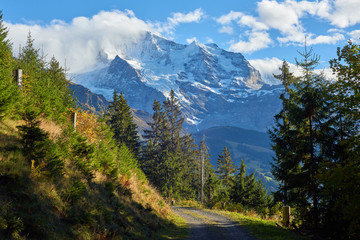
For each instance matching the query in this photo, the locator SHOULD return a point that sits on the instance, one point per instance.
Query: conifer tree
(286, 166)
(45, 87)
(226, 168)
(122, 125)
(153, 161)
(311, 113)
(8, 88)
(170, 156)
(249, 192)
(297, 140)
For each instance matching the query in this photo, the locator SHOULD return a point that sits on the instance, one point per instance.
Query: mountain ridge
(215, 87)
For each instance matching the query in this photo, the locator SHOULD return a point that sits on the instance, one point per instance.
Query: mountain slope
(215, 87)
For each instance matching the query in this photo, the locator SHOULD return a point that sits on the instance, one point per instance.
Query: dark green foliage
(122, 124)
(297, 139)
(226, 168)
(8, 90)
(45, 86)
(339, 174)
(170, 158)
(33, 138)
(286, 168)
(252, 195)
(246, 193)
(317, 146)
(82, 156)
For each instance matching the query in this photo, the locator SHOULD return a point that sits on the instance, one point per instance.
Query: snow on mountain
(215, 87)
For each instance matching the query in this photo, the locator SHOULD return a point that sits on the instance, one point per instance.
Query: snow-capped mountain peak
(214, 86)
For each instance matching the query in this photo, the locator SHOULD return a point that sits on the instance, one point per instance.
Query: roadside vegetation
(262, 229)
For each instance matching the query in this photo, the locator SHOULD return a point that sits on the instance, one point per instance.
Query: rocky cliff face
(215, 87)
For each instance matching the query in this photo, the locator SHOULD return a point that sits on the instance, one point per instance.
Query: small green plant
(74, 191)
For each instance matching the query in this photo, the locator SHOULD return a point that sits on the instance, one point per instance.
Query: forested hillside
(60, 181)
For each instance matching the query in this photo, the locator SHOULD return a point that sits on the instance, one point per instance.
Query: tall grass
(260, 228)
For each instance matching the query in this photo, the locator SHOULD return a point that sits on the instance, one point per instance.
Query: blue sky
(265, 31)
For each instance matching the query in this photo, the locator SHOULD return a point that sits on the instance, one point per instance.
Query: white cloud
(226, 29)
(355, 36)
(194, 16)
(228, 18)
(209, 40)
(331, 30)
(178, 18)
(190, 40)
(326, 39)
(257, 41)
(345, 13)
(285, 17)
(280, 16)
(253, 23)
(269, 66)
(81, 40)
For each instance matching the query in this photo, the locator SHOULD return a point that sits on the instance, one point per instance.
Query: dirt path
(206, 226)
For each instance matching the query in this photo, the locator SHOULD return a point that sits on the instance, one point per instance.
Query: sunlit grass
(260, 228)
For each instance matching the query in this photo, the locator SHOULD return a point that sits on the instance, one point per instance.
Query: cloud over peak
(82, 40)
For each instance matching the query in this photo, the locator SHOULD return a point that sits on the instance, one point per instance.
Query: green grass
(178, 229)
(262, 229)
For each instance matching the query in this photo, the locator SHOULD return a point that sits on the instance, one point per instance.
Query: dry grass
(51, 127)
(147, 195)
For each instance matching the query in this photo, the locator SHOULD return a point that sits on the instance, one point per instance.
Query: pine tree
(226, 168)
(45, 87)
(297, 140)
(8, 89)
(61, 98)
(122, 125)
(152, 161)
(249, 192)
(311, 113)
(286, 167)
(170, 156)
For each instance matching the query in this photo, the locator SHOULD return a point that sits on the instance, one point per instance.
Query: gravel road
(206, 225)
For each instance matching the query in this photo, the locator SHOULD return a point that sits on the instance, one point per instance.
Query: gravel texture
(206, 225)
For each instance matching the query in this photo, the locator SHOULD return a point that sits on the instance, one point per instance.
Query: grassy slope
(33, 206)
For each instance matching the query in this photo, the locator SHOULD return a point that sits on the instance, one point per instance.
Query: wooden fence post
(286, 216)
(19, 77)
(73, 118)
